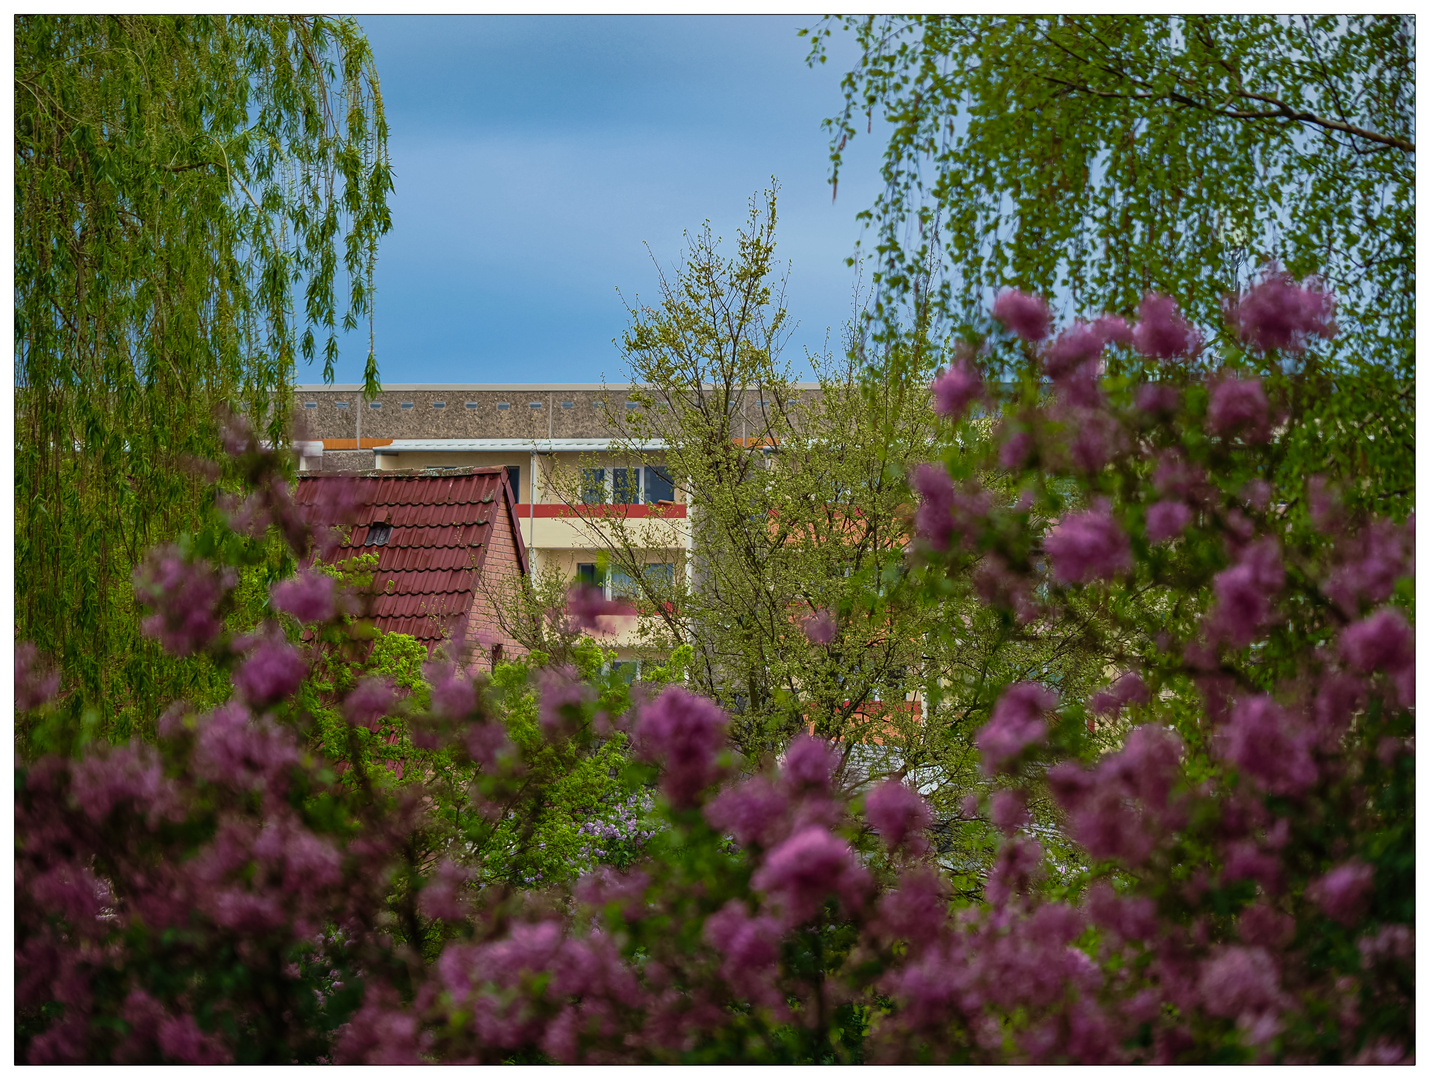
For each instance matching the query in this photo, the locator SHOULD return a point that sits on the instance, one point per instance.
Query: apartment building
(555, 442)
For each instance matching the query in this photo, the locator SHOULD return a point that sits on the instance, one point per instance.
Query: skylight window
(378, 533)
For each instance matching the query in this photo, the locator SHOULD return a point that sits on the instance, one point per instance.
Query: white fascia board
(526, 446)
(392, 388)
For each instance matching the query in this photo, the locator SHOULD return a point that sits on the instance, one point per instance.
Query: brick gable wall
(500, 577)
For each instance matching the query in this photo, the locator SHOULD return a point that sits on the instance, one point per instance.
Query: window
(628, 670)
(503, 404)
(568, 404)
(588, 573)
(599, 404)
(622, 585)
(341, 404)
(660, 574)
(659, 487)
(593, 486)
(513, 475)
(310, 404)
(406, 404)
(471, 404)
(378, 533)
(625, 486)
(496, 655)
(533, 404)
(633, 404)
(439, 404)
(374, 404)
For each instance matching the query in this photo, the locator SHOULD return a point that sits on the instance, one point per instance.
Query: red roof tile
(439, 530)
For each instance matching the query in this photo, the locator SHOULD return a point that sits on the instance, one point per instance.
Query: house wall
(501, 569)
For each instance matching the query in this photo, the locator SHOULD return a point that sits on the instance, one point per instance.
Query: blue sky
(535, 156)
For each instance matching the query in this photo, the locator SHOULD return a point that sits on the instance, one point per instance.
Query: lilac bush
(1239, 795)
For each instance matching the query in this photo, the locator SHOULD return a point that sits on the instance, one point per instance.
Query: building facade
(555, 442)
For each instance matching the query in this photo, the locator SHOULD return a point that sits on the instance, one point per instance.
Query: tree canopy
(1098, 158)
(198, 202)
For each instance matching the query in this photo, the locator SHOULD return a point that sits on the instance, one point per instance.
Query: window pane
(625, 486)
(628, 670)
(622, 587)
(658, 485)
(660, 574)
(513, 474)
(593, 486)
(586, 573)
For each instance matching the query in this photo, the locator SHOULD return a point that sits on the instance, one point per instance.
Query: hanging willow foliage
(198, 202)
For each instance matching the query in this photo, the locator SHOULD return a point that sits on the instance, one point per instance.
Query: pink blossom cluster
(589, 610)
(184, 595)
(1277, 313)
(957, 388)
(1243, 841)
(945, 510)
(1089, 546)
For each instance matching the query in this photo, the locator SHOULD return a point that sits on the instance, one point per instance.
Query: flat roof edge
(389, 388)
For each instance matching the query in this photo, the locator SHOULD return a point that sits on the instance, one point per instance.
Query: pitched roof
(431, 530)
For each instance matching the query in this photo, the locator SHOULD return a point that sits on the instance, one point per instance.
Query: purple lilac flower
(1266, 745)
(1344, 891)
(1166, 520)
(956, 389)
(1113, 328)
(683, 733)
(1244, 593)
(1382, 642)
(1239, 407)
(131, 774)
(590, 610)
(1161, 331)
(307, 597)
(1127, 690)
(1015, 724)
(368, 702)
(184, 596)
(1015, 450)
(1079, 344)
(820, 627)
(809, 765)
(34, 685)
(563, 699)
(1008, 810)
(1277, 313)
(1157, 399)
(1239, 981)
(1087, 547)
(753, 812)
(441, 897)
(809, 867)
(944, 511)
(899, 815)
(454, 695)
(1027, 316)
(272, 672)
